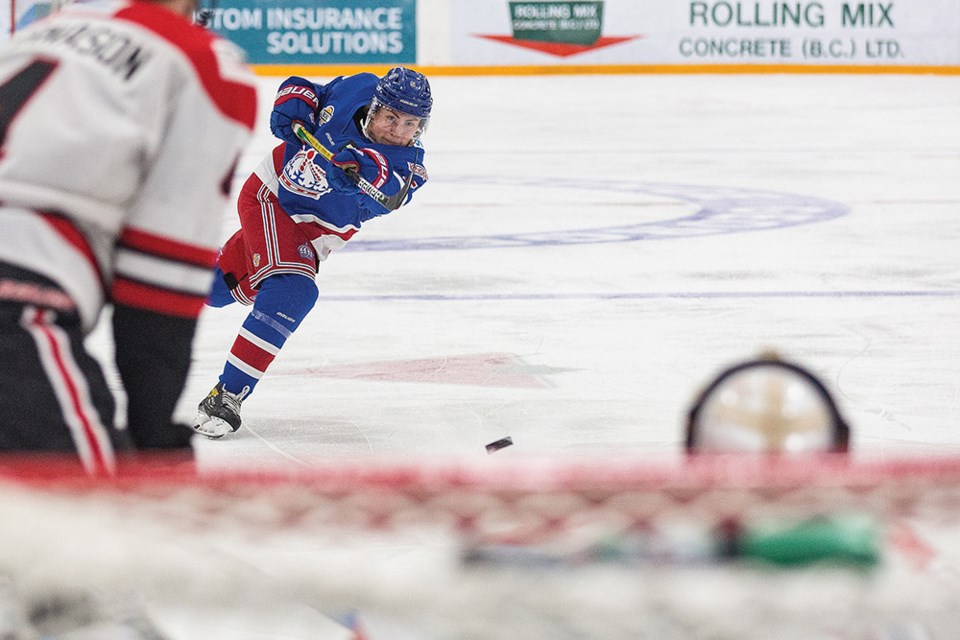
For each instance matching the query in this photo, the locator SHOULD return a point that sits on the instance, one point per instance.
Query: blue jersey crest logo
(301, 176)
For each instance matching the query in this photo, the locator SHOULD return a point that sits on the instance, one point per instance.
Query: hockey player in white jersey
(120, 126)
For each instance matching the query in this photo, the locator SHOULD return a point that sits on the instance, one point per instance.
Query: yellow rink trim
(321, 70)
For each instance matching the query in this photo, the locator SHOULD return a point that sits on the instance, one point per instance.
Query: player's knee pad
(287, 298)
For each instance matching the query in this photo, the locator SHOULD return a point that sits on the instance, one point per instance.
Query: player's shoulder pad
(360, 82)
(364, 77)
(220, 64)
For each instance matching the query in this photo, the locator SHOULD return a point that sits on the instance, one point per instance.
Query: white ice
(591, 250)
(541, 287)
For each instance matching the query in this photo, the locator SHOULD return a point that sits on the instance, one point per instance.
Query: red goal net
(723, 547)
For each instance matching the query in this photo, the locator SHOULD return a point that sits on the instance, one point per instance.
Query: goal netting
(714, 548)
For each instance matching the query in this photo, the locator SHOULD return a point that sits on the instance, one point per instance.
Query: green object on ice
(837, 539)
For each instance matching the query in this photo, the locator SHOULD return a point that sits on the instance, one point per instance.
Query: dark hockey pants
(53, 394)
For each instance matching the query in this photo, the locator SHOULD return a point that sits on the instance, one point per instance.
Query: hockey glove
(296, 101)
(351, 164)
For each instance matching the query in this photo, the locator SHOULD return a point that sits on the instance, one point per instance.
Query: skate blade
(212, 427)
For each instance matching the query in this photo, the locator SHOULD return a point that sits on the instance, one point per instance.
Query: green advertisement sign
(320, 31)
(577, 23)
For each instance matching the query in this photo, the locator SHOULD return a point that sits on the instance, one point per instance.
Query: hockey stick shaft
(390, 203)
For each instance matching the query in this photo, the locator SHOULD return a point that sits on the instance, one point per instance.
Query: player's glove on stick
(352, 163)
(296, 101)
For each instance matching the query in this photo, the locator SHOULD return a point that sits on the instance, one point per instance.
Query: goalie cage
(603, 549)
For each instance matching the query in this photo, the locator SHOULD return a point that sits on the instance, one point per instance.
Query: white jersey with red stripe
(121, 194)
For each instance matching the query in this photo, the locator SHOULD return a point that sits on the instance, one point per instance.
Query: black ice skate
(219, 413)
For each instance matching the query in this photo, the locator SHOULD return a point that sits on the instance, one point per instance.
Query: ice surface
(591, 250)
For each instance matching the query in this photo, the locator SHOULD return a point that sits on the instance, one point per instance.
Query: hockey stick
(390, 203)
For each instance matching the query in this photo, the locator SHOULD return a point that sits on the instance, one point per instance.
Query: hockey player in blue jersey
(297, 206)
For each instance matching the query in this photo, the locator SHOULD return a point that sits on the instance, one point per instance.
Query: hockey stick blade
(390, 203)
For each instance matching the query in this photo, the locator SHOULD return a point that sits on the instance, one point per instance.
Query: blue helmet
(403, 90)
(406, 91)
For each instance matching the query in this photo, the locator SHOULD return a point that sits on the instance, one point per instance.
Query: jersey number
(15, 92)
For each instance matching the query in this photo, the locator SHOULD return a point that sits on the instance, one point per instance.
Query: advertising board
(309, 32)
(703, 32)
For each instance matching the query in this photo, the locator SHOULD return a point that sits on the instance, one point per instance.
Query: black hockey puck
(496, 445)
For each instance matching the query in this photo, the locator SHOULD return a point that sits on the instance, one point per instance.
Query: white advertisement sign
(704, 32)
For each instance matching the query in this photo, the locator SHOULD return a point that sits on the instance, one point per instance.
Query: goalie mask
(403, 96)
(766, 406)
